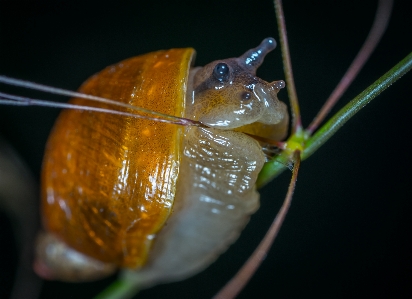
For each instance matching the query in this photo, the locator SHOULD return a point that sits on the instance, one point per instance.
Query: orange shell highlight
(109, 181)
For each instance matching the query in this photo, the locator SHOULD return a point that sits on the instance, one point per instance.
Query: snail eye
(246, 96)
(221, 72)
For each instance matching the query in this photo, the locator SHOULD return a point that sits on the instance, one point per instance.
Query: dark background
(347, 233)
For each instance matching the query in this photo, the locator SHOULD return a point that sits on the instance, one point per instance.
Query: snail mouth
(273, 112)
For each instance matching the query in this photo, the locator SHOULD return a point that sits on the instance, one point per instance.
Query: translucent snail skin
(159, 199)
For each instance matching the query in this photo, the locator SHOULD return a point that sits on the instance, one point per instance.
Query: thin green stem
(276, 166)
(338, 120)
(119, 289)
(271, 170)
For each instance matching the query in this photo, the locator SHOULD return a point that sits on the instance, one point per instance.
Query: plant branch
(119, 289)
(338, 120)
(273, 168)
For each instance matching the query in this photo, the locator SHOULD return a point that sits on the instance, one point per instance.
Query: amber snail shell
(159, 199)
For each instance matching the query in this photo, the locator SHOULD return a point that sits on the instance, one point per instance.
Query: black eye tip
(221, 72)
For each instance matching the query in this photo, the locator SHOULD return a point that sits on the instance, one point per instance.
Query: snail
(158, 199)
(307, 205)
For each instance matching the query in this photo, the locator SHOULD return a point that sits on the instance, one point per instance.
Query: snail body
(160, 200)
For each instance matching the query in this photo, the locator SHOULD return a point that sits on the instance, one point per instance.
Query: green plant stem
(340, 118)
(119, 289)
(269, 171)
(274, 168)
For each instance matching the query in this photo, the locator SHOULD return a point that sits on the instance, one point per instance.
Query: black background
(347, 233)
